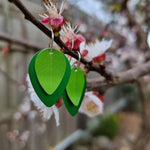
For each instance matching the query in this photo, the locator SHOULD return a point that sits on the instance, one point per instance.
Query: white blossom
(46, 111)
(94, 49)
(92, 105)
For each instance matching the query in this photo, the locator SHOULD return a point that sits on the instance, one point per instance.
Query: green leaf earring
(49, 72)
(75, 90)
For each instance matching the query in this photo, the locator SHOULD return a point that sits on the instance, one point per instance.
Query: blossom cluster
(69, 34)
(52, 16)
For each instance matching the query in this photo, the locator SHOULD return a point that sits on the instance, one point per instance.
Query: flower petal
(57, 21)
(56, 113)
(47, 111)
(99, 58)
(46, 20)
(78, 39)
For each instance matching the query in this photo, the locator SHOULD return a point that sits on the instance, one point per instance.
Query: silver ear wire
(79, 59)
(51, 42)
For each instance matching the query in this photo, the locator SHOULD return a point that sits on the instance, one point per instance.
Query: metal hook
(51, 43)
(79, 59)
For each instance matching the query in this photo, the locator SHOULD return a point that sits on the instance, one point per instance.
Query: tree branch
(22, 42)
(9, 78)
(128, 76)
(44, 29)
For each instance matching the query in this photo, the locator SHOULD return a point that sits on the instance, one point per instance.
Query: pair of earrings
(52, 76)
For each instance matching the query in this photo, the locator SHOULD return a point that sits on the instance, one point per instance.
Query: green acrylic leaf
(75, 85)
(72, 109)
(48, 100)
(50, 69)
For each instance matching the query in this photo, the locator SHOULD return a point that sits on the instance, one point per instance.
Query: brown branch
(124, 5)
(22, 42)
(128, 76)
(45, 30)
(132, 22)
(9, 78)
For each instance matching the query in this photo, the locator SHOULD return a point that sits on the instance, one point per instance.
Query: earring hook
(79, 59)
(51, 42)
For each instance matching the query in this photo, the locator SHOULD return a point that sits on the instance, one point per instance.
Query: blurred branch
(133, 23)
(9, 78)
(128, 76)
(23, 42)
(124, 5)
(44, 29)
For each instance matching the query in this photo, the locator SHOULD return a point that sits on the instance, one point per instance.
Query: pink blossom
(13, 134)
(52, 15)
(70, 37)
(75, 42)
(57, 21)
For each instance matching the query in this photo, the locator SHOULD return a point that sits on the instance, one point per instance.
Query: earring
(49, 72)
(75, 89)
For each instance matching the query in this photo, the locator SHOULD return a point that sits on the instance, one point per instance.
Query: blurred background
(125, 123)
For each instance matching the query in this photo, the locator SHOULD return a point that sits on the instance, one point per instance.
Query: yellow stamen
(92, 107)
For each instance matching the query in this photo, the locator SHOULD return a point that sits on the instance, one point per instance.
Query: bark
(143, 140)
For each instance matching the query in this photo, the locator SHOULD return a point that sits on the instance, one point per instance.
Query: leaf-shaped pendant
(43, 78)
(50, 69)
(75, 91)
